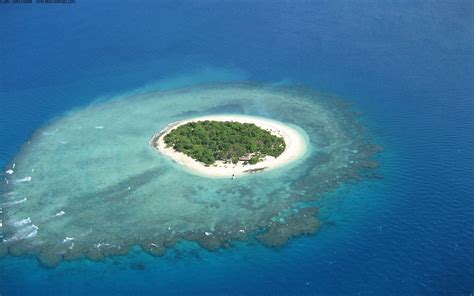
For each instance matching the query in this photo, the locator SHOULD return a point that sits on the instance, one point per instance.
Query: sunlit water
(406, 67)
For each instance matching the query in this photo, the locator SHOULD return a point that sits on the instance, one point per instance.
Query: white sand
(295, 147)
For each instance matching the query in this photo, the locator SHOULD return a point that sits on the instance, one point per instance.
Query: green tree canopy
(208, 141)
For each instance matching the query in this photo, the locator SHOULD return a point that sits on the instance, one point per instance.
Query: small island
(210, 141)
(229, 145)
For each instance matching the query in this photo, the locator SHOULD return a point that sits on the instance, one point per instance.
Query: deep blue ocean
(407, 65)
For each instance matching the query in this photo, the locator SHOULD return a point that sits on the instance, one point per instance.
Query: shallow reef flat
(89, 184)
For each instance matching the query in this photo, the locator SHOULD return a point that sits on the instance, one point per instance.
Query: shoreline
(294, 140)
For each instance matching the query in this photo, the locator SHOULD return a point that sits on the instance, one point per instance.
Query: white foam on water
(99, 245)
(9, 172)
(60, 213)
(11, 203)
(71, 246)
(24, 233)
(99, 127)
(25, 179)
(32, 234)
(10, 195)
(67, 239)
(22, 222)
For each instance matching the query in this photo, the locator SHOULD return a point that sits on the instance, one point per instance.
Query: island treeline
(208, 141)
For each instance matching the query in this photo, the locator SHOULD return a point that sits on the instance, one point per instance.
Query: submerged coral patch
(89, 184)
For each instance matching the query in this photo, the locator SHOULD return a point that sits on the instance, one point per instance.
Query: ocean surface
(407, 66)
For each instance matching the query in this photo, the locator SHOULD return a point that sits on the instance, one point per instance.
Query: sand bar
(294, 140)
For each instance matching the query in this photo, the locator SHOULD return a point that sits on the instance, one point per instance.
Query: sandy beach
(294, 140)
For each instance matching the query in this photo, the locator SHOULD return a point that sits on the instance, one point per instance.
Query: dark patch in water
(195, 254)
(304, 222)
(138, 266)
(227, 108)
(329, 224)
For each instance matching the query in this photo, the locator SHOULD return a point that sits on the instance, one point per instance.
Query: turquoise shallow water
(408, 67)
(90, 184)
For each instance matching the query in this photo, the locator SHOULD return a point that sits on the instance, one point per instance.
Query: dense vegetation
(208, 141)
